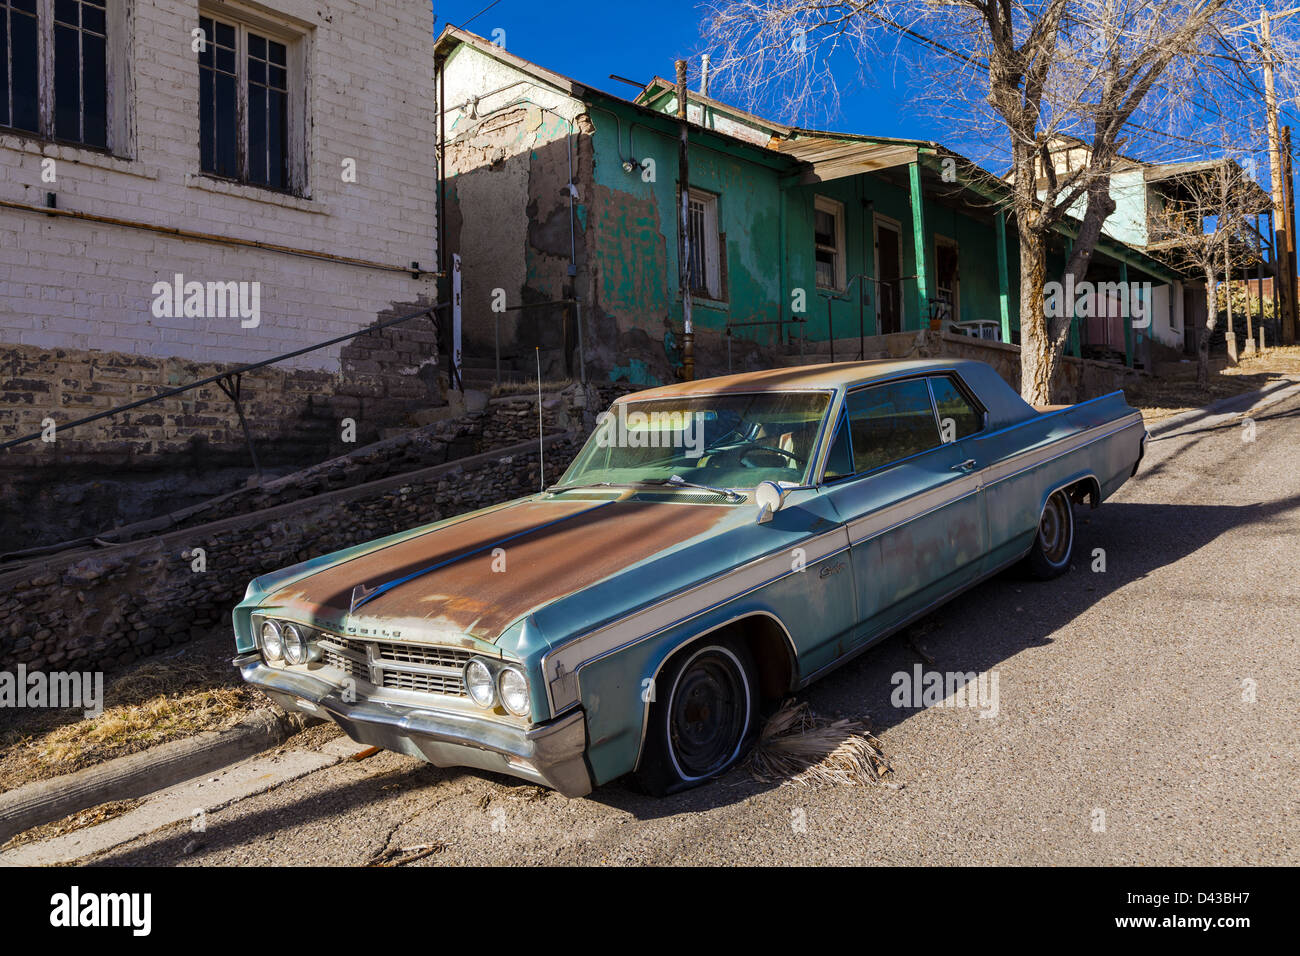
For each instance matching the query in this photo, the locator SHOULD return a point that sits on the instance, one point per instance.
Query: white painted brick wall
(74, 284)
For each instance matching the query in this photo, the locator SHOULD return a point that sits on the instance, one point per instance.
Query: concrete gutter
(1233, 406)
(136, 775)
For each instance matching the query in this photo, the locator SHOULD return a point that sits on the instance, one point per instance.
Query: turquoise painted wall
(633, 236)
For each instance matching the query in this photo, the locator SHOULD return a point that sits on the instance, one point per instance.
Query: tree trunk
(1203, 333)
(1037, 358)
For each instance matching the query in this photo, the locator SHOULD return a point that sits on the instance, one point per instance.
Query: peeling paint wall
(513, 146)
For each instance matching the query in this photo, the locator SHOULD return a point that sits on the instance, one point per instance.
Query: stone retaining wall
(102, 609)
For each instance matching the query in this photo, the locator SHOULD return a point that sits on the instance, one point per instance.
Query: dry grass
(800, 748)
(161, 699)
(1173, 389)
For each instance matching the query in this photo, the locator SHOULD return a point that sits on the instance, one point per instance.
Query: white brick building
(252, 140)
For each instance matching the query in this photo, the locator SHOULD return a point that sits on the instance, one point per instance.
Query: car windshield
(725, 441)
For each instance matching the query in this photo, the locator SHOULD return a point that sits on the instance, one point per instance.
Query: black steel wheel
(704, 716)
(1054, 542)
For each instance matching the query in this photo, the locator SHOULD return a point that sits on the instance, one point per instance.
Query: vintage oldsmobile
(714, 546)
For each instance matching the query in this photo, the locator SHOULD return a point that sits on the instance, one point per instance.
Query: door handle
(965, 467)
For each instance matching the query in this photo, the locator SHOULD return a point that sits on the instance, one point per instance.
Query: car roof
(830, 375)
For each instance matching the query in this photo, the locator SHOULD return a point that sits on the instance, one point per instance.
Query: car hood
(477, 576)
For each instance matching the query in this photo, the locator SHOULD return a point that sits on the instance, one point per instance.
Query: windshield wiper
(554, 489)
(677, 481)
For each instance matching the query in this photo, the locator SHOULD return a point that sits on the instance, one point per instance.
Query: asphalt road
(1147, 714)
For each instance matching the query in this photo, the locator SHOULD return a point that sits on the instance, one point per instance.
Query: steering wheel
(789, 455)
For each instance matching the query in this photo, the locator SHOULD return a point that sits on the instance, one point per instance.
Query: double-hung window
(247, 104)
(706, 245)
(828, 241)
(63, 70)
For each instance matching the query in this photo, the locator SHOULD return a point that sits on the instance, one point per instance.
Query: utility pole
(684, 244)
(1288, 183)
(1284, 231)
(1231, 338)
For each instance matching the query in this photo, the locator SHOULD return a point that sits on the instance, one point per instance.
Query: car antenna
(541, 447)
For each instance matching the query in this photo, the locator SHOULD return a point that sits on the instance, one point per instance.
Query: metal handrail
(228, 382)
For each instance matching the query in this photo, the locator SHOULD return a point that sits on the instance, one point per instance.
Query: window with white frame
(828, 239)
(705, 255)
(251, 102)
(64, 70)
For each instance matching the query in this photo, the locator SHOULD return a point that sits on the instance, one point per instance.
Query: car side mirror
(769, 496)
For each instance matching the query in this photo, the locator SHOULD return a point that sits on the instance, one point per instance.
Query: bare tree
(1207, 224)
(1031, 70)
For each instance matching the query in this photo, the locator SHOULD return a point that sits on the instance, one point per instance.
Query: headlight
(514, 691)
(272, 642)
(296, 648)
(478, 683)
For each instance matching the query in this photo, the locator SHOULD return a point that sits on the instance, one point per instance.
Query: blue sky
(588, 40)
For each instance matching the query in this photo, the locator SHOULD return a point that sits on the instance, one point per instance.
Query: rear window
(958, 418)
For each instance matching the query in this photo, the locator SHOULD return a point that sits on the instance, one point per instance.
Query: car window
(839, 460)
(891, 422)
(727, 440)
(957, 416)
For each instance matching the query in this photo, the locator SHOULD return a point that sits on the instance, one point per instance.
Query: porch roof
(827, 158)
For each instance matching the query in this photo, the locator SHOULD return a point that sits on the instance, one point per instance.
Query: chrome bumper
(550, 754)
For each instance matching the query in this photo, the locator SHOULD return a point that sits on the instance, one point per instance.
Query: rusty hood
(478, 575)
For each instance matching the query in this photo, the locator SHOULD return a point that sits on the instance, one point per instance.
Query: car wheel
(702, 719)
(1054, 542)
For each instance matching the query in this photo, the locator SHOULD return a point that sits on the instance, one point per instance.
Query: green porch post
(1075, 350)
(1128, 319)
(918, 241)
(1004, 283)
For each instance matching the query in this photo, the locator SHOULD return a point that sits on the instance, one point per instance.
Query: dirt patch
(160, 699)
(70, 824)
(1173, 389)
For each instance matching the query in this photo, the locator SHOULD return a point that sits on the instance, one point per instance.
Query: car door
(911, 502)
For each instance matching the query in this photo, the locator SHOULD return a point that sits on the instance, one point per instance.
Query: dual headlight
(291, 643)
(508, 685)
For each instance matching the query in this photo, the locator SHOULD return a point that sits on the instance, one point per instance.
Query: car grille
(414, 667)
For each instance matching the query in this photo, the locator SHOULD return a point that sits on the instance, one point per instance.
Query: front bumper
(550, 754)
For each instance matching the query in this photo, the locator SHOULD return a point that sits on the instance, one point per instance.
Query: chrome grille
(399, 666)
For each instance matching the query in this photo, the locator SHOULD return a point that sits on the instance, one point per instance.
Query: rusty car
(714, 546)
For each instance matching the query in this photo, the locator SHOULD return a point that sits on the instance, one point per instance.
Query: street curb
(136, 775)
(1232, 404)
